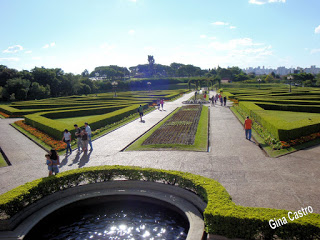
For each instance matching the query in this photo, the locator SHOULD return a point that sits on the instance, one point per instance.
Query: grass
(3, 162)
(74, 119)
(201, 138)
(271, 152)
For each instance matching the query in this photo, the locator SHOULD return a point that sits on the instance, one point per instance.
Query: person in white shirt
(67, 139)
(88, 130)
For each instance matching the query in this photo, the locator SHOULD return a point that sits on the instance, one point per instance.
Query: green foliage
(221, 215)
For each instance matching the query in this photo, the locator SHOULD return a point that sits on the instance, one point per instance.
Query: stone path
(251, 178)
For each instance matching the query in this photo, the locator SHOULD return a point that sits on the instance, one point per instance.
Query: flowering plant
(58, 145)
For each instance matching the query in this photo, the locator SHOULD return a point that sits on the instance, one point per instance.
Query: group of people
(83, 136)
(218, 97)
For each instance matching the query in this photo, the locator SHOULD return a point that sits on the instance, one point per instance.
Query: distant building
(281, 70)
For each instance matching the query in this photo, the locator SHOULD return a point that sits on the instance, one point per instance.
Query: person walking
(247, 128)
(224, 100)
(84, 140)
(161, 103)
(140, 111)
(88, 130)
(221, 100)
(78, 136)
(67, 138)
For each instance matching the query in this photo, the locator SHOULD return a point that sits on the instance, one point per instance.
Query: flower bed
(4, 115)
(58, 145)
(181, 128)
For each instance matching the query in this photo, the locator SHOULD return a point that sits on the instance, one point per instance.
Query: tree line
(41, 82)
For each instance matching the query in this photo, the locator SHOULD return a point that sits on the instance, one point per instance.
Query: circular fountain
(112, 210)
(117, 217)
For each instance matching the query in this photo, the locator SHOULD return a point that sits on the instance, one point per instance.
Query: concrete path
(251, 178)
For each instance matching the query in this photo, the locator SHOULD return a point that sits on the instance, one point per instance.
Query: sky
(75, 35)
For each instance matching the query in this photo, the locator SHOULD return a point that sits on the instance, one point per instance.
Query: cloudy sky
(81, 34)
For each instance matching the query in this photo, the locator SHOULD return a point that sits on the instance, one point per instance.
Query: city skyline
(78, 35)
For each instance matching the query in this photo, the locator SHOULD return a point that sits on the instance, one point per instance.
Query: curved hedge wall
(222, 216)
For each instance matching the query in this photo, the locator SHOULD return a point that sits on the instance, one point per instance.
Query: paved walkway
(251, 178)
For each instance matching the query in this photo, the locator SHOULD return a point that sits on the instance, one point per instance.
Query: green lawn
(82, 119)
(201, 138)
(293, 116)
(3, 162)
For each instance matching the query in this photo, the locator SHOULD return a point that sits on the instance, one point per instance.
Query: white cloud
(218, 23)
(13, 49)
(13, 59)
(36, 58)
(232, 27)
(316, 50)
(28, 52)
(131, 32)
(213, 38)
(317, 29)
(49, 45)
(203, 36)
(261, 2)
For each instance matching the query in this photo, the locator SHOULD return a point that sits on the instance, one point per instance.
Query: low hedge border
(221, 215)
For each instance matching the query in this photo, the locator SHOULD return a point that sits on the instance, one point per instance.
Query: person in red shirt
(247, 127)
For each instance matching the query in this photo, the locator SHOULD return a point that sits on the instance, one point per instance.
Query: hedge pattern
(101, 110)
(262, 104)
(221, 215)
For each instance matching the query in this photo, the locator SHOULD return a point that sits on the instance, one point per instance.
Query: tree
(268, 79)
(151, 63)
(85, 73)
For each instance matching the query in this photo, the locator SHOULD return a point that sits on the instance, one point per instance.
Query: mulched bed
(181, 128)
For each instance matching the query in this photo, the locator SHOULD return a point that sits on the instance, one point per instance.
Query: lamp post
(259, 81)
(290, 78)
(114, 86)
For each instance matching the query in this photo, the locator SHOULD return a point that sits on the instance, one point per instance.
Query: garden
(283, 121)
(45, 120)
(184, 129)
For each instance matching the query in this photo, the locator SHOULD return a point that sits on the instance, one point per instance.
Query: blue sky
(82, 34)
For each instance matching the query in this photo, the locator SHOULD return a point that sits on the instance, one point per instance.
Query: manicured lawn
(294, 116)
(82, 119)
(201, 138)
(3, 163)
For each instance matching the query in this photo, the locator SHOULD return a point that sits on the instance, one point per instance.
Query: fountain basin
(185, 202)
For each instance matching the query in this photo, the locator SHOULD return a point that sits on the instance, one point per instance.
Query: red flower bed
(5, 115)
(300, 140)
(58, 145)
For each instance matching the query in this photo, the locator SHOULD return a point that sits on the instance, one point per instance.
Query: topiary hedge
(43, 121)
(221, 215)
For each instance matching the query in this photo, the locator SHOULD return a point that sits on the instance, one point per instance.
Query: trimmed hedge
(278, 127)
(55, 128)
(221, 215)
